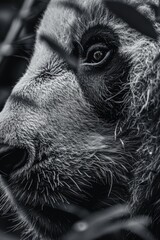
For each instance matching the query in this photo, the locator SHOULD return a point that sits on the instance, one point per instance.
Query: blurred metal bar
(6, 47)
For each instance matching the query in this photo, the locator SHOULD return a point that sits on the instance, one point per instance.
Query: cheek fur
(90, 135)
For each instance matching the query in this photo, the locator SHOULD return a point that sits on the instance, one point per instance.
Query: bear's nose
(11, 158)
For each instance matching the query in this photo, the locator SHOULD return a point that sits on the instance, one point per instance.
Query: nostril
(11, 158)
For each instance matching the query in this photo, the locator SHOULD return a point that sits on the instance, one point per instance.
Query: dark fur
(85, 133)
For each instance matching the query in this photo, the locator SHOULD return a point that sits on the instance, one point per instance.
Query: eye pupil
(98, 55)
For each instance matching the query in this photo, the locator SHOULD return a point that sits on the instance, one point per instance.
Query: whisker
(6, 155)
(23, 39)
(3, 173)
(21, 57)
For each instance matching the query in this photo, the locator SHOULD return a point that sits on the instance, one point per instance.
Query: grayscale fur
(59, 124)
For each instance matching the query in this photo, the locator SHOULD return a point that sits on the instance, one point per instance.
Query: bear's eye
(97, 54)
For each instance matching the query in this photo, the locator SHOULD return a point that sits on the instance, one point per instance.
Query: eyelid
(95, 47)
(99, 63)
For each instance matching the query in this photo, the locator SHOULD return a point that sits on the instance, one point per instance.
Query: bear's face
(69, 124)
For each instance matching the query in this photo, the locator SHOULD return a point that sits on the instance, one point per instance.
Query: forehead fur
(59, 22)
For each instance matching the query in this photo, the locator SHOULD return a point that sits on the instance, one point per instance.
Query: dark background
(13, 67)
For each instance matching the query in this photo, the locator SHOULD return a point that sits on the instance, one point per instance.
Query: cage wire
(106, 222)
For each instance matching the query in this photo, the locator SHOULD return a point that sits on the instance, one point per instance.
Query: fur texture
(87, 133)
